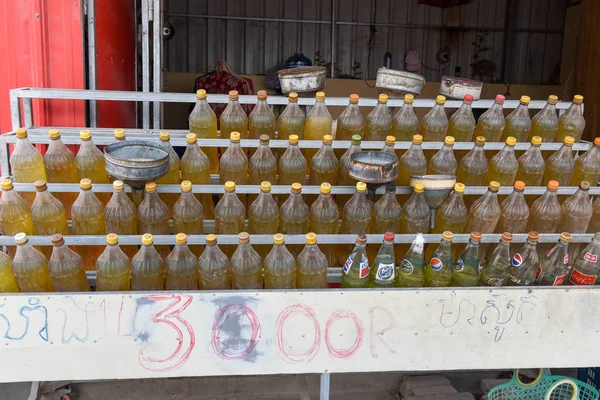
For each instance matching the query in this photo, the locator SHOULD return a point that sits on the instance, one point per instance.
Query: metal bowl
(302, 80)
(456, 88)
(136, 162)
(373, 167)
(396, 83)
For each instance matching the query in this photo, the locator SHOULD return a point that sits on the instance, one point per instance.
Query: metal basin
(396, 83)
(302, 79)
(373, 167)
(456, 88)
(136, 162)
(437, 188)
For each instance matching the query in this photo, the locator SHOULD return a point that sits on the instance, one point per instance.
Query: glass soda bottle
(586, 268)
(214, 268)
(438, 272)
(434, 124)
(545, 212)
(466, 267)
(405, 123)
(555, 264)
(173, 176)
(485, 211)
(90, 161)
(113, 268)
(26, 162)
(292, 165)
(180, 266)
(234, 118)
(15, 211)
(324, 218)
(280, 266)
(294, 213)
(30, 267)
(356, 216)
(203, 122)
(411, 271)
(262, 121)
(386, 212)
(324, 164)
(496, 267)
(65, 267)
(383, 270)
(188, 215)
(491, 123)
(355, 272)
(473, 167)
(560, 165)
(451, 215)
(462, 123)
(350, 122)
(514, 211)
(587, 166)
(571, 123)
(532, 164)
(344, 178)
(545, 123)
(311, 265)
(196, 169)
(318, 122)
(246, 265)
(153, 215)
(413, 162)
(525, 263)
(416, 213)
(263, 164)
(234, 163)
(120, 215)
(148, 267)
(291, 120)
(518, 122)
(504, 165)
(443, 162)
(379, 121)
(8, 283)
(88, 219)
(60, 167)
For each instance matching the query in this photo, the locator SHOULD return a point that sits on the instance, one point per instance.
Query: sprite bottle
(495, 269)
(412, 268)
(466, 267)
(355, 272)
(383, 273)
(555, 264)
(439, 270)
(525, 263)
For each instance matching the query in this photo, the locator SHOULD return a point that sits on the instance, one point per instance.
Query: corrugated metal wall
(397, 26)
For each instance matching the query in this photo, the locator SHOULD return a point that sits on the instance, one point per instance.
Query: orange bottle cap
(278, 238)
(361, 239)
(293, 139)
(233, 95)
(440, 99)
(409, 98)
(449, 141)
(191, 138)
(112, 239)
(383, 98)
(476, 236)
(230, 186)
(533, 236)
(201, 94)
(507, 237)
(164, 136)
(85, 134)
(525, 100)
(494, 186)
(536, 141)
(119, 133)
(566, 237)
(296, 188)
(211, 239)
(390, 140)
(85, 184)
(325, 188)
(320, 96)
(578, 99)
(235, 137)
(54, 134)
(311, 238)
(21, 238)
(511, 141)
(6, 184)
(519, 185)
(447, 235)
(118, 186)
(147, 239)
(568, 141)
(459, 187)
(552, 99)
(354, 98)
(327, 139)
(243, 237)
(597, 142)
(361, 187)
(21, 133)
(186, 186)
(265, 186)
(40, 185)
(553, 186)
(261, 94)
(181, 238)
(419, 188)
(293, 97)
(417, 139)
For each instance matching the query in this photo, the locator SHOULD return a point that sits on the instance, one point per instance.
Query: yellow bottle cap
(553, 186)
(311, 238)
(119, 133)
(21, 238)
(150, 187)
(354, 98)
(419, 188)
(243, 237)
(147, 239)
(536, 140)
(293, 97)
(327, 139)
(578, 99)
(211, 239)
(459, 187)
(230, 186)
(54, 134)
(85, 134)
(507, 237)
(40, 185)
(383, 98)
(494, 186)
(320, 96)
(118, 186)
(186, 186)
(265, 186)
(278, 238)
(409, 98)
(293, 139)
(552, 99)
(511, 141)
(566, 237)
(390, 140)
(201, 94)
(181, 238)
(233, 95)
(112, 238)
(480, 140)
(569, 140)
(6, 184)
(235, 137)
(164, 136)
(417, 139)
(361, 187)
(449, 141)
(325, 188)
(191, 138)
(85, 184)
(21, 133)
(264, 139)
(525, 99)
(296, 188)
(440, 99)
(447, 235)
(261, 94)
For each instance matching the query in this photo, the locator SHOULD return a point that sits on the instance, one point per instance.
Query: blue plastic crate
(591, 376)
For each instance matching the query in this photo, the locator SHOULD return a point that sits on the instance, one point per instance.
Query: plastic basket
(544, 387)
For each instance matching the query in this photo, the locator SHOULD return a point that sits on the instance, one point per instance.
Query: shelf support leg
(325, 386)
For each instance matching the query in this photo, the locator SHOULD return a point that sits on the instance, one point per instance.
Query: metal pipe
(15, 110)
(157, 60)
(324, 388)
(28, 112)
(145, 63)
(333, 38)
(91, 19)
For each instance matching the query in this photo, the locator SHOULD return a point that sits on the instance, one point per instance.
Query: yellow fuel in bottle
(434, 124)
(153, 216)
(311, 265)
(173, 176)
(30, 267)
(180, 266)
(26, 162)
(234, 118)
(291, 120)
(280, 266)
(113, 267)
(148, 267)
(405, 123)
(60, 167)
(66, 269)
(8, 283)
(188, 215)
(88, 219)
(196, 169)
(262, 120)
(324, 219)
(203, 122)
(90, 163)
(318, 123)
(214, 267)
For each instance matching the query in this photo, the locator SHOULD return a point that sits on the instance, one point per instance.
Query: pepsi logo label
(364, 269)
(436, 264)
(517, 260)
(406, 267)
(347, 265)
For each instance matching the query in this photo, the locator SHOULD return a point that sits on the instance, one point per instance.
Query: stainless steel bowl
(302, 80)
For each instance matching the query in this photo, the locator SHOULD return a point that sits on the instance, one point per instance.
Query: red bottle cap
(468, 98)
(389, 236)
(500, 98)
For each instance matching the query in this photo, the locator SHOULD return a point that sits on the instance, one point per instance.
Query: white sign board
(166, 334)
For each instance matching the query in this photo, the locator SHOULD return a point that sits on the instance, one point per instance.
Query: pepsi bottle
(439, 270)
(525, 263)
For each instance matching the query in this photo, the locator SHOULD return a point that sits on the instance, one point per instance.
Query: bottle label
(549, 252)
(517, 260)
(364, 269)
(347, 265)
(459, 266)
(385, 272)
(566, 259)
(590, 257)
(538, 273)
(406, 267)
(558, 281)
(579, 278)
(436, 264)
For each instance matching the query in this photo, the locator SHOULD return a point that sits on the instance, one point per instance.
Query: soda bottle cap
(325, 188)
(186, 186)
(447, 235)
(578, 99)
(327, 139)
(233, 95)
(164, 136)
(468, 99)
(536, 141)
(112, 239)
(383, 98)
(296, 188)
(419, 188)
(361, 239)
(479, 141)
(440, 99)
(261, 94)
(525, 100)
(211, 239)
(507, 237)
(519, 186)
(389, 236)
(151, 187)
(235, 137)
(278, 238)
(230, 186)
(40, 185)
(533, 236)
(584, 185)
(264, 139)
(201, 94)
(6, 184)
(85, 135)
(354, 98)
(119, 133)
(293, 139)
(553, 186)
(57, 240)
(417, 139)
(409, 98)
(21, 238)
(21, 133)
(311, 238)
(511, 141)
(459, 187)
(181, 238)
(85, 184)
(191, 138)
(361, 187)
(118, 186)
(552, 99)
(597, 142)
(449, 141)
(568, 141)
(293, 97)
(265, 186)
(356, 139)
(390, 140)
(566, 237)
(147, 239)
(500, 99)
(494, 186)
(476, 236)
(320, 96)
(243, 237)
(54, 134)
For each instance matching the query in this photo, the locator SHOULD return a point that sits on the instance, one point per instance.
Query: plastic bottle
(188, 215)
(148, 267)
(560, 165)
(311, 265)
(378, 124)
(466, 267)
(294, 213)
(180, 266)
(48, 215)
(434, 124)
(30, 267)
(291, 120)
(120, 214)
(26, 162)
(514, 211)
(577, 211)
(415, 213)
(413, 162)
(545, 212)
(531, 164)
(89, 161)
(383, 270)
(355, 273)
(214, 268)
(451, 215)
(356, 217)
(262, 121)
(263, 216)
(324, 165)
(571, 123)
(496, 267)
(65, 267)
(350, 122)
(246, 265)
(173, 176)
(438, 272)
(15, 211)
(196, 169)
(234, 163)
(405, 123)
(443, 162)
(473, 168)
(153, 215)
(587, 166)
(234, 118)
(504, 165)
(324, 218)
(229, 212)
(263, 164)
(595, 222)
(545, 123)
(386, 212)
(203, 122)
(60, 167)
(525, 263)
(518, 122)
(292, 165)
(8, 283)
(462, 123)
(344, 178)
(411, 271)
(586, 268)
(88, 219)
(389, 145)
(491, 123)
(280, 266)
(555, 264)
(113, 268)
(318, 123)
(485, 211)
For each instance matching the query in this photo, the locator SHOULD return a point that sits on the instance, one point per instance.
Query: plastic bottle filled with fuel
(473, 167)
(246, 265)
(324, 219)
(485, 211)
(560, 165)
(594, 225)
(350, 122)
(386, 212)
(203, 122)
(452, 214)
(491, 123)
(89, 161)
(311, 265)
(153, 216)
(263, 164)
(188, 215)
(496, 266)
(411, 269)
(378, 124)
(113, 267)
(88, 219)
(531, 164)
(120, 215)
(355, 273)
(554, 264)
(462, 123)
(263, 216)
(545, 212)
(389, 145)
(234, 162)
(60, 167)
(576, 211)
(15, 211)
(292, 165)
(438, 272)
(280, 266)
(586, 267)
(324, 165)
(291, 120)
(504, 165)
(318, 123)
(571, 123)
(545, 123)
(294, 213)
(148, 267)
(65, 267)
(443, 162)
(30, 267)
(234, 118)
(587, 166)
(518, 122)
(344, 178)
(466, 266)
(514, 211)
(173, 176)
(383, 269)
(214, 269)
(195, 168)
(434, 124)
(8, 283)
(180, 266)
(26, 162)
(525, 263)
(262, 121)
(405, 123)
(230, 215)
(413, 162)
(415, 213)
(356, 216)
